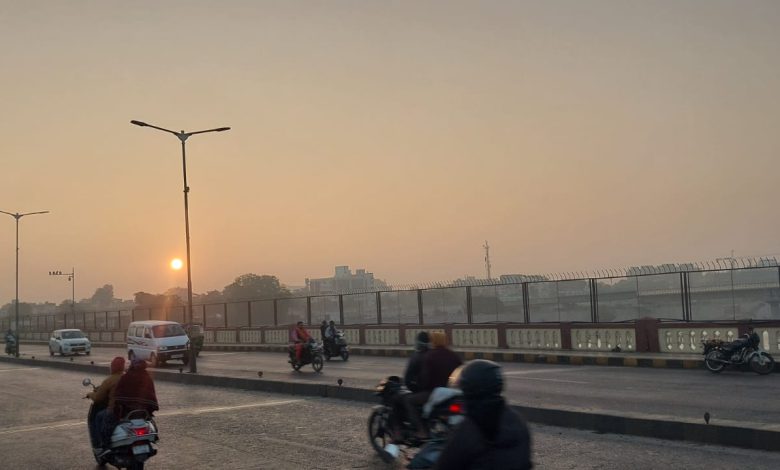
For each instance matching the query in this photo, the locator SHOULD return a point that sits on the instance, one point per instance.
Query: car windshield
(166, 331)
(72, 334)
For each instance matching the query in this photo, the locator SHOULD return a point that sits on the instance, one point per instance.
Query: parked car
(69, 341)
(157, 341)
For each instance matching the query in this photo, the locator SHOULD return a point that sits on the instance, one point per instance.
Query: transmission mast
(487, 259)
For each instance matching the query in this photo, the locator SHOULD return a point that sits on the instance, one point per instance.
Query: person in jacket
(103, 399)
(412, 381)
(437, 365)
(492, 435)
(323, 328)
(135, 391)
(300, 336)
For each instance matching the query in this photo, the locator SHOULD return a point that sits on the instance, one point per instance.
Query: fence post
(378, 308)
(469, 309)
(249, 313)
(224, 315)
(341, 309)
(276, 314)
(526, 304)
(419, 306)
(308, 311)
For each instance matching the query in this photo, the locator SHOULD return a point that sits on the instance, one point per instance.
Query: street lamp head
(222, 129)
(139, 123)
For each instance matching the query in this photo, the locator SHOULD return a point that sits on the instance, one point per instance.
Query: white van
(157, 341)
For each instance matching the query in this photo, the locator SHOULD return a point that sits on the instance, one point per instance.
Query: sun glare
(176, 264)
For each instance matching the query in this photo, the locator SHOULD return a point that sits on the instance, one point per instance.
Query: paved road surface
(687, 393)
(42, 417)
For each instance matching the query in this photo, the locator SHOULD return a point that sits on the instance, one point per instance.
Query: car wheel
(51, 352)
(61, 353)
(87, 353)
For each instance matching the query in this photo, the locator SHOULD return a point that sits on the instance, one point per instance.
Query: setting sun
(176, 264)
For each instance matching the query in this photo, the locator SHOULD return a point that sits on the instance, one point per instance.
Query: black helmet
(478, 379)
(423, 341)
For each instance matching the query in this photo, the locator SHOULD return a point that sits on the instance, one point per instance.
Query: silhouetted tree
(251, 286)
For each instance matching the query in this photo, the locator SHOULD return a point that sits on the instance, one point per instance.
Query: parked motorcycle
(443, 411)
(131, 442)
(311, 354)
(337, 347)
(747, 350)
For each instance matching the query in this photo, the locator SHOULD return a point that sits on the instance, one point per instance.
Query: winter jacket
(469, 449)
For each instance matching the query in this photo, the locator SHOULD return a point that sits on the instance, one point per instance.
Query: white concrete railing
(688, 340)
(603, 339)
(475, 337)
(533, 338)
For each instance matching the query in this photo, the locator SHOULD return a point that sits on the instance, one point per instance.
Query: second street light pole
(183, 136)
(18, 216)
(71, 277)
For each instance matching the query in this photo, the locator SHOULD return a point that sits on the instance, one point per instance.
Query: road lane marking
(40, 428)
(20, 368)
(217, 409)
(220, 354)
(549, 380)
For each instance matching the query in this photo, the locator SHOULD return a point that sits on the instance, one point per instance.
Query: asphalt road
(42, 415)
(729, 397)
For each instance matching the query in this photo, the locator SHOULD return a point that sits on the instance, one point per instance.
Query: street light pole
(18, 216)
(183, 136)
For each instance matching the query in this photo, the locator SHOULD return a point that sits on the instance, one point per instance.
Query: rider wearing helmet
(492, 435)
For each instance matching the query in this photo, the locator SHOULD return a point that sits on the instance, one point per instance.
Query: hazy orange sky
(395, 136)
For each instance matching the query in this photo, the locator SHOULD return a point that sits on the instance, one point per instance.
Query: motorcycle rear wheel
(712, 361)
(762, 367)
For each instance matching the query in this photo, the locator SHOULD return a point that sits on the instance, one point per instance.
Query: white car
(70, 341)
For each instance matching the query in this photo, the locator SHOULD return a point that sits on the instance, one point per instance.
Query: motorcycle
(337, 347)
(747, 350)
(311, 354)
(443, 411)
(131, 441)
(10, 345)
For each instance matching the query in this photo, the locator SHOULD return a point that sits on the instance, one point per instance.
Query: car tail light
(140, 431)
(456, 408)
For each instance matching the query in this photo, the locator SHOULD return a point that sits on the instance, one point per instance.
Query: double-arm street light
(72, 278)
(183, 136)
(18, 216)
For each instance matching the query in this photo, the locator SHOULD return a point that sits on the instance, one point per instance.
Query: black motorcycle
(440, 415)
(744, 351)
(311, 354)
(336, 347)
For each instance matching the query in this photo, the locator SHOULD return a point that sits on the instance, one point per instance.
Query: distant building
(344, 281)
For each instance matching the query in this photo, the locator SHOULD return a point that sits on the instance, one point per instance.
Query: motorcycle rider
(103, 399)
(492, 435)
(437, 365)
(134, 391)
(412, 380)
(330, 336)
(10, 342)
(300, 336)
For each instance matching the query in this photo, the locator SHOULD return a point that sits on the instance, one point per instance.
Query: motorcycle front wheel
(344, 355)
(713, 361)
(762, 363)
(378, 432)
(316, 363)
